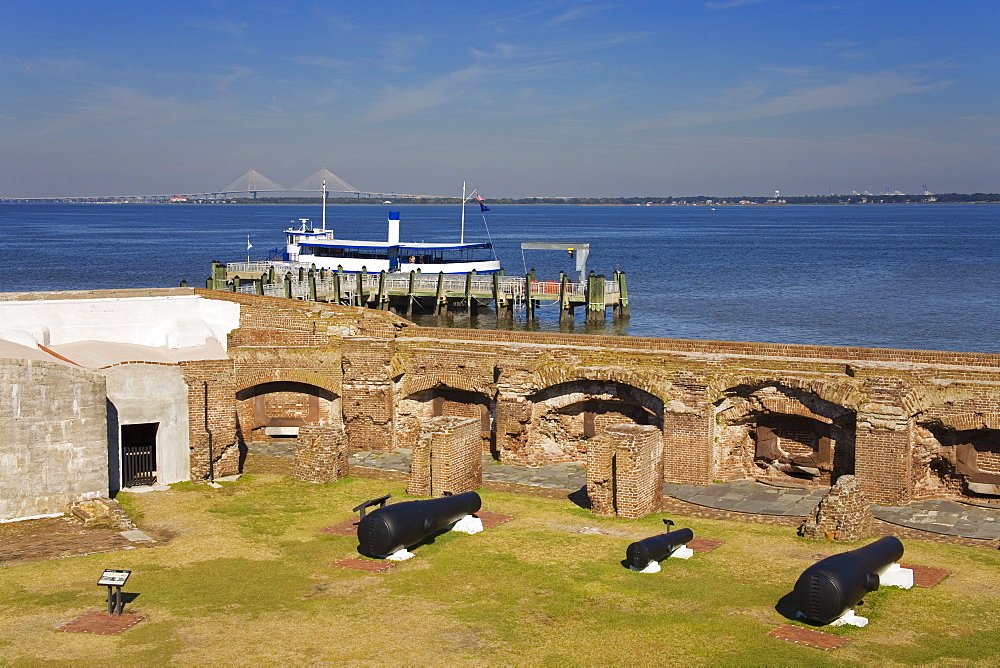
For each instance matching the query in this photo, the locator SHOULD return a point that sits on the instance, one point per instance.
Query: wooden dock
(436, 293)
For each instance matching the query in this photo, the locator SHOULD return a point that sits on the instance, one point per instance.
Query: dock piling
(440, 301)
(621, 310)
(383, 298)
(529, 301)
(595, 298)
(410, 287)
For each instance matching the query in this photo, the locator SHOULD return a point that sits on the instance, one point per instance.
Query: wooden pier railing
(438, 293)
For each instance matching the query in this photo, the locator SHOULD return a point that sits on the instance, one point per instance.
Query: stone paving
(744, 496)
(943, 516)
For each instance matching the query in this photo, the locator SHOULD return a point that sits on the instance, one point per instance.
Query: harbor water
(900, 276)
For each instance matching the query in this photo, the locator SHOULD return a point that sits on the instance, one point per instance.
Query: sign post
(114, 579)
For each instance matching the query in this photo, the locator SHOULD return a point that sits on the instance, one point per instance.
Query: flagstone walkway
(935, 515)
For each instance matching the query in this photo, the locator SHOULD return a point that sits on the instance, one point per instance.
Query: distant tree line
(944, 198)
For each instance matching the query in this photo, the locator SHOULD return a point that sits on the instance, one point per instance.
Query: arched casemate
(563, 418)
(780, 433)
(954, 461)
(443, 401)
(278, 410)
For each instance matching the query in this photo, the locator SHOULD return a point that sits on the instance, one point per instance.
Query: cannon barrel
(654, 548)
(401, 525)
(828, 588)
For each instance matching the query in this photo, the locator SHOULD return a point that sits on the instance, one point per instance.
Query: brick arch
(413, 384)
(949, 406)
(968, 421)
(414, 410)
(648, 383)
(847, 395)
(785, 404)
(797, 431)
(562, 400)
(560, 420)
(245, 381)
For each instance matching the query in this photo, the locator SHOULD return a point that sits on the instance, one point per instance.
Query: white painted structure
(174, 321)
(77, 370)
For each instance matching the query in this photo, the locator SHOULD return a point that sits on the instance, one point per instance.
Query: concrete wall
(53, 438)
(144, 393)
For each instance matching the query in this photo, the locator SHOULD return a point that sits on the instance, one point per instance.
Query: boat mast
(464, 200)
(324, 205)
(461, 239)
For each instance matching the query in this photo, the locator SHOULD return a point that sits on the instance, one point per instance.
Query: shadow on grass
(580, 498)
(786, 607)
(430, 540)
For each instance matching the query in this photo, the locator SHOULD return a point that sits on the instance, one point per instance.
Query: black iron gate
(139, 454)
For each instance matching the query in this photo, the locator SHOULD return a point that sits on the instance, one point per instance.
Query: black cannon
(640, 553)
(828, 588)
(392, 528)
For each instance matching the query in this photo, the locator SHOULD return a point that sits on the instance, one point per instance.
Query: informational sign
(113, 577)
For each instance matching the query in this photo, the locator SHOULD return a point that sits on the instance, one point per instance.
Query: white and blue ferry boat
(309, 244)
(306, 244)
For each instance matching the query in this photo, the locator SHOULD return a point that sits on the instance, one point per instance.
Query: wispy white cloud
(226, 26)
(235, 75)
(396, 102)
(578, 12)
(336, 20)
(729, 4)
(129, 105)
(55, 67)
(319, 61)
(398, 53)
(859, 90)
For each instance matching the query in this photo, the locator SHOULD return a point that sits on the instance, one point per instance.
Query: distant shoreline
(701, 201)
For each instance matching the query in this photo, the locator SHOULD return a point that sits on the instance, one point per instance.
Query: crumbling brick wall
(369, 398)
(623, 471)
(375, 361)
(843, 514)
(212, 418)
(320, 453)
(448, 457)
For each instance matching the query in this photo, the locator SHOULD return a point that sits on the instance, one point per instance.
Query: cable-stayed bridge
(251, 184)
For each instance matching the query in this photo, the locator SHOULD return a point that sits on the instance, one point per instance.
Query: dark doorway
(139, 454)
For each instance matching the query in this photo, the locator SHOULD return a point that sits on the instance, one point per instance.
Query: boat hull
(372, 265)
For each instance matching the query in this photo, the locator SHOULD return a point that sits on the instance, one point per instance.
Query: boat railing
(255, 269)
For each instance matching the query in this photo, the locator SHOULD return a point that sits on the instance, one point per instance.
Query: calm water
(920, 276)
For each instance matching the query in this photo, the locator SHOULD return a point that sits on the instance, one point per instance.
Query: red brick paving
(926, 576)
(358, 564)
(34, 540)
(492, 519)
(801, 636)
(704, 544)
(345, 528)
(101, 623)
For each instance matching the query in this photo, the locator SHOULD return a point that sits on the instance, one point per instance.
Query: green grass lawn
(243, 576)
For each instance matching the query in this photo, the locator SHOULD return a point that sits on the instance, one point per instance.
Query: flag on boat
(249, 245)
(482, 203)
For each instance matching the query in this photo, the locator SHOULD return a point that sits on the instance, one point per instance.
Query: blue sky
(604, 98)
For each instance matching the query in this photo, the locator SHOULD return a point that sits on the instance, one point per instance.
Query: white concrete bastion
(177, 321)
(95, 399)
